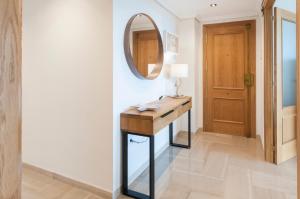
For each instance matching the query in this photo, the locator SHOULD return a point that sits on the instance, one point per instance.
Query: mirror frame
(128, 53)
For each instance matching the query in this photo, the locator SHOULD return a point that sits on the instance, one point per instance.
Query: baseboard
(258, 137)
(200, 130)
(145, 165)
(117, 193)
(140, 170)
(97, 191)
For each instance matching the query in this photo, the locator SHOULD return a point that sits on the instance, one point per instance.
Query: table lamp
(179, 71)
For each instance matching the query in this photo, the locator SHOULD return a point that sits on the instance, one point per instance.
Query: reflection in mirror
(143, 47)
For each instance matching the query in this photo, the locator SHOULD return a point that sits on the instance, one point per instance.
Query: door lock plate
(249, 79)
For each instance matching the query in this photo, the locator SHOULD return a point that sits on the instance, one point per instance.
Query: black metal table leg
(188, 146)
(152, 167)
(189, 129)
(125, 161)
(171, 134)
(125, 189)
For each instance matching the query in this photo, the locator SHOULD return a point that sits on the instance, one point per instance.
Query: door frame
(267, 7)
(269, 144)
(252, 63)
(11, 98)
(298, 96)
(269, 129)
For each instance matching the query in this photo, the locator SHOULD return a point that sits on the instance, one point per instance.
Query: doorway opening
(229, 78)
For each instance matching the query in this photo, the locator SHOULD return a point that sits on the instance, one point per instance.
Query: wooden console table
(148, 124)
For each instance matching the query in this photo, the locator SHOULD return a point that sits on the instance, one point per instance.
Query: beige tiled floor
(220, 167)
(217, 167)
(38, 186)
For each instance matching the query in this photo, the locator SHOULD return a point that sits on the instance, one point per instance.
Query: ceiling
(201, 8)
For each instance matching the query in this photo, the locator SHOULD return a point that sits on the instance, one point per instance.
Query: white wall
(67, 88)
(129, 90)
(260, 78)
(189, 45)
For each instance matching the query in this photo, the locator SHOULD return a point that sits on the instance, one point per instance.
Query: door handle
(249, 79)
(166, 114)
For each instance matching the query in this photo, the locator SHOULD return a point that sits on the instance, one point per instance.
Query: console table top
(166, 104)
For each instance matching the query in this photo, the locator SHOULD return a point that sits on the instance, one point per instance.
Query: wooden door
(229, 78)
(285, 85)
(145, 50)
(10, 99)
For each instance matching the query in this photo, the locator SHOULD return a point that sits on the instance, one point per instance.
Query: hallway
(221, 167)
(213, 169)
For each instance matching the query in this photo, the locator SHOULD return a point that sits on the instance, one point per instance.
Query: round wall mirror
(143, 47)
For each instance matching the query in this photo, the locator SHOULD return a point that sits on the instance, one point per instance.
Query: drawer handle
(185, 103)
(166, 114)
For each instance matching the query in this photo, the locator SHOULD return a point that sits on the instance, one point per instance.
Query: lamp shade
(179, 70)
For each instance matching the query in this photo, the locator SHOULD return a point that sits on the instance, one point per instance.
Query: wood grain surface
(10, 99)
(229, 104)
(298, 97)
(151, 122)
(268, 78)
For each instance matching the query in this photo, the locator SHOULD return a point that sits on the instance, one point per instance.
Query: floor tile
(216, 167)
(261, 193)
(238, 185)
(198, 195)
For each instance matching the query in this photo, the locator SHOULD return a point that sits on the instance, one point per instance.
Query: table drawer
(170, 116)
